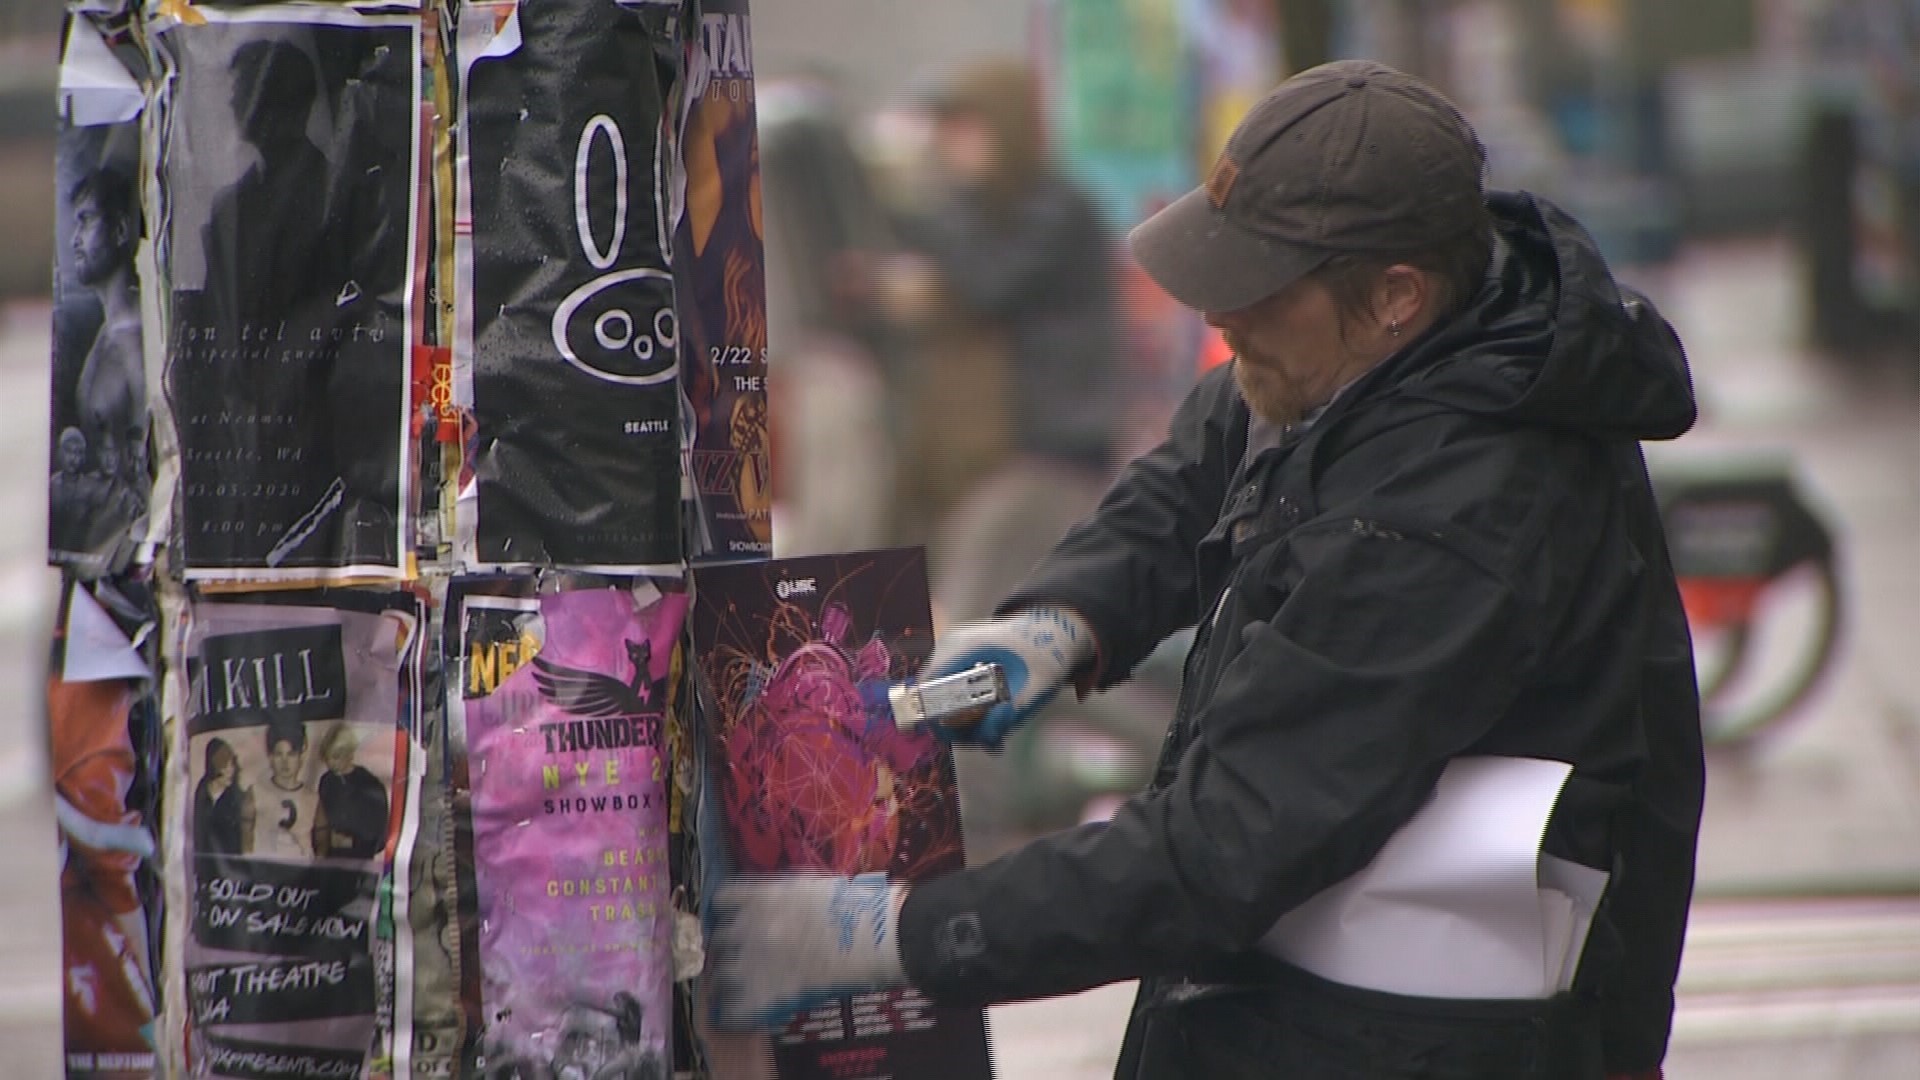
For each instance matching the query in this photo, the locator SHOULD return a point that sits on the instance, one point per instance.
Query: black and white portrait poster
(101, 476)
(289, 162)
(567, 337)
(296, 714)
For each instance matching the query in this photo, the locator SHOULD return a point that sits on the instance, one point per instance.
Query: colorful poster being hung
(719, 268)
(809, 772)
(298, 712)
(289, 161)
(101, 479)
(566, 336)
(103, 749)
(563, 699)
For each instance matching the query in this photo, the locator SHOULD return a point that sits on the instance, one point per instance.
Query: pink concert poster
(564, 699)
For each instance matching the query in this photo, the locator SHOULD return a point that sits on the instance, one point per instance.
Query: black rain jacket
(1461, 556)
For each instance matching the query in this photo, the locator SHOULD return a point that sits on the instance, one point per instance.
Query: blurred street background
(1752, 165)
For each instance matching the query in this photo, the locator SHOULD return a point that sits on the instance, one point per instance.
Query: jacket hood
(1552, 340)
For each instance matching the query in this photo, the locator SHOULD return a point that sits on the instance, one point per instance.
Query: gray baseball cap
(1351, 156)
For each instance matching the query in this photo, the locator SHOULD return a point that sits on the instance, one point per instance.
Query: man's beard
(1271, 395)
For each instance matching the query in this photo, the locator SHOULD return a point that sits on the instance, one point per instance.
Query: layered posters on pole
(289, 159)
(296, 734)
(566, 338)
(719, 259)
(808, 771)
(563, 699)
(101, 475)
(103, 749)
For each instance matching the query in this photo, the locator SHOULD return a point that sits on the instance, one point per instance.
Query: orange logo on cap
(1220, 181)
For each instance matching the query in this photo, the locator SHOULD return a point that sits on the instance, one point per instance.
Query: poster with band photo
(567, 338)
(296, 782)
(719, 258)
(289, 160)
(101, 476)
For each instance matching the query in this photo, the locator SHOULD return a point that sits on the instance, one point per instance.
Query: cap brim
(1208, 263)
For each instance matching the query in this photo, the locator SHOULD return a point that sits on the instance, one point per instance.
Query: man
(353, 802)
(1414, 527)
(286, 806)
(75, 496)
(112, 391)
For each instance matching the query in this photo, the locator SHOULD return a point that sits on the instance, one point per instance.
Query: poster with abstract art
(808, 771)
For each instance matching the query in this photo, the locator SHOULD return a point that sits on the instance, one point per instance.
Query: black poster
(573, 346)
(98, 488)
(289, 162)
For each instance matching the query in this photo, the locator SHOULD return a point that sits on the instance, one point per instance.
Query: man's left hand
(782, 944)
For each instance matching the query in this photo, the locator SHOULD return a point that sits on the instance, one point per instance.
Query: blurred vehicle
(1760, 578)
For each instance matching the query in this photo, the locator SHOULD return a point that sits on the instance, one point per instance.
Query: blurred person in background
(1008, 395)
(830, 348)
(1442, 685)
(1009, 424)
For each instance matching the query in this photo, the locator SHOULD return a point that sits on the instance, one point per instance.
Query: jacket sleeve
(1328, 729)
(1129, 569)
(1660, 832)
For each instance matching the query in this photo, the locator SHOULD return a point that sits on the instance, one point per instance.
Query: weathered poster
(810, 772)
(567, 337)
(298, 712)
(289, 163)
(101, 478)
(720, 271)
(563, 699)
(102, 743)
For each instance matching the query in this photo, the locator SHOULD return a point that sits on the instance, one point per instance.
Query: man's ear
(1402, 295)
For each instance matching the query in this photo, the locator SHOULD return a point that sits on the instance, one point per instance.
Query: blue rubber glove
(788, 942)
(1039, 649)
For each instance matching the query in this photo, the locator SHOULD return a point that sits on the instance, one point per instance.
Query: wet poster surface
(811, 773)
(103, 734)
(101, 474)
(564, 700)
(569, 337)
(720, 269)
(293, 729)
(289, 165)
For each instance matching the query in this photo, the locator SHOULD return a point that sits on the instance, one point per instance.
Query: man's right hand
(1039, 649)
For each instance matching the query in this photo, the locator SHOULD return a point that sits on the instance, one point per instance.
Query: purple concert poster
(564, 699)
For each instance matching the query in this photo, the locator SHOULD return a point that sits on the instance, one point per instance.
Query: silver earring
(1393, 328)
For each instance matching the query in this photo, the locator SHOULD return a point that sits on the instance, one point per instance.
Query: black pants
(1295, 1026)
